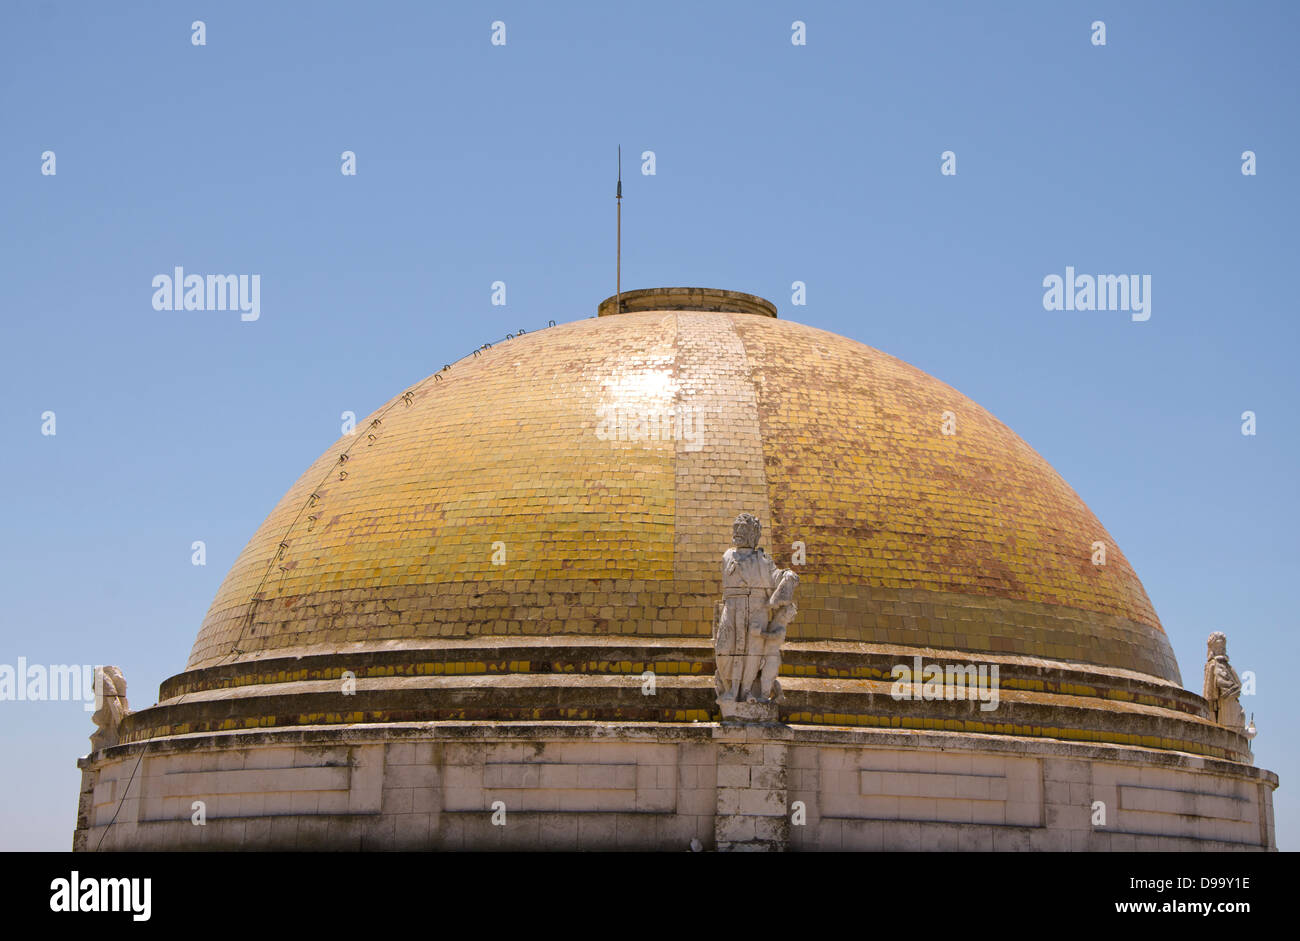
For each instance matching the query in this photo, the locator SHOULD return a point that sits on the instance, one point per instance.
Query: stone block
(953, 810)
(597, 832)
(635, 831)
(411, 831)
(397, 800)
(762, 802)
(460, 777)
(895, 836)
(426, 800)
(330, 802)
(284, 832)
(312, 834)
(696, 754)
(558, 831)
(268, 757)
(776, 829)
(303, 802)
(1067, 770)
(400, 753)
(733, 775)
(656, 800)
(1056, 793)
(734, 829)
(607, 776)
(409, 776)
(1010, 840)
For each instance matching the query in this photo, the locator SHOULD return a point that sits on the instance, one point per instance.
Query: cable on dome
(408, 398)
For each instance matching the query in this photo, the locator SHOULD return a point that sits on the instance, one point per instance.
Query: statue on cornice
(1222, 684)
(750, 624)
(110, 707)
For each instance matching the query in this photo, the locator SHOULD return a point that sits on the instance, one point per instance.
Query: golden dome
(582, 480)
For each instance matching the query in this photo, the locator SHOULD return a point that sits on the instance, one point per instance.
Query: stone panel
(929, 786)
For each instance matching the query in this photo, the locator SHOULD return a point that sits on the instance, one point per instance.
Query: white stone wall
(602, 786)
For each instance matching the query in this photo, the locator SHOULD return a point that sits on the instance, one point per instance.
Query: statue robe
(749, 579)
(1222, 687)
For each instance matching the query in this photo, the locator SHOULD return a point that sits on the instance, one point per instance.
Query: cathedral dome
(582, 480)
(500, 592)
(526, 534)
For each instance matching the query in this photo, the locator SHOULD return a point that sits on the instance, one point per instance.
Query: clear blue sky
(775, 163)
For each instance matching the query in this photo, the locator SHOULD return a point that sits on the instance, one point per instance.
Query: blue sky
(774, 163)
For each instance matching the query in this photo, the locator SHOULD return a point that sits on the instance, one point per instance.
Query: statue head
(745, 531)
(109, 683)
(1217, 644)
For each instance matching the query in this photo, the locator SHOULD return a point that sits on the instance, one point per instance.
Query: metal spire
(618, 257)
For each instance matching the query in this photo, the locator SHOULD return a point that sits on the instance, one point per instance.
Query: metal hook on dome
(284, 547)
(408, 397)
(446, 366)
(522, 331)
(372, 438)
(510, 336)
(343, 475)
(313, 499)
(311, 522)
(486, 346)
(437, 378)
(550, 323)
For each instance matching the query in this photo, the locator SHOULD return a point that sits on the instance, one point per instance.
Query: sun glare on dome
(639, 385)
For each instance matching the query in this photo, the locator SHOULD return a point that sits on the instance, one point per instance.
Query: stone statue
(110, 707)
(1222, 685)
(749, 628)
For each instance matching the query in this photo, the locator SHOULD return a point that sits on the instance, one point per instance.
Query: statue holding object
(750, 622)
(1222, 684)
